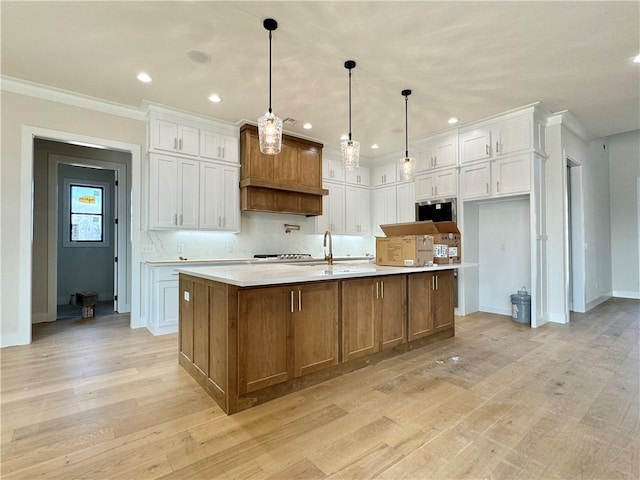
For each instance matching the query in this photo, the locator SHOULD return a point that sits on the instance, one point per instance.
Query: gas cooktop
(284, 256)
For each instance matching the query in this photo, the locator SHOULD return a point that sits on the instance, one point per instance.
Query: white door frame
(121, 234)
(25, 227)
(574, 272)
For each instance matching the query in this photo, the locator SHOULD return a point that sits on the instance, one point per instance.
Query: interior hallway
(499, 400)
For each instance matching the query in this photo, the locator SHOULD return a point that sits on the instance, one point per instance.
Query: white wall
(624, 176)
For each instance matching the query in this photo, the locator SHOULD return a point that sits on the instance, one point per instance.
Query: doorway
(62, 265)
(574, 228)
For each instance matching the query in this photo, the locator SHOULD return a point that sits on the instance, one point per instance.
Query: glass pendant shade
(269, 125)
(270, 134)
(350, 153)
(406, 169)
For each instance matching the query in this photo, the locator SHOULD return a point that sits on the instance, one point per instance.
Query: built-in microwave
(443, 210)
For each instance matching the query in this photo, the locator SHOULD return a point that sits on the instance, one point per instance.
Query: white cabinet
(164, 301)
(219, 197)
(384, 174)
(500, 177)
(500, 138)
(173, 137)
(437, 152)
(511, 175)
(406, 203)
(333, 210)
(439, 184)
(219, 147)
(360, 176)
(173, 192)
(357, 210)
(332, 170)
(385, 204)
(475, 181)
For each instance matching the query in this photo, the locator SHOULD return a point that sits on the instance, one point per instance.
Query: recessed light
(636, 59)
(452, 120)
(344, 137)
(375, 146)
(215, 98)
(307, 126)
(144, 77)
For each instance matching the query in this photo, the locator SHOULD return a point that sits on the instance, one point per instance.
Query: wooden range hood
(290, 182)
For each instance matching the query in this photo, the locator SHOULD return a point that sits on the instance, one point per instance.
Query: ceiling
(468, 60)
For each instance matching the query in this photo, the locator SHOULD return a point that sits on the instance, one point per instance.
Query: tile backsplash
(260, 233)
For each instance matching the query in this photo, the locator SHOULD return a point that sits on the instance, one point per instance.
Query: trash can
(521, 306)
(88, 301)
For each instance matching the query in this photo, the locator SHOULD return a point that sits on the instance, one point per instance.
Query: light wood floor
(93, 399)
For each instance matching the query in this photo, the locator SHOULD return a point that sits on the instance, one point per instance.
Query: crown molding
(45, 92)
(568, 120)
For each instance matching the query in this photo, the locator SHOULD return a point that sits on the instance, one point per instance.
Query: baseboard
(626, 294)
(597, 301)
(497, 311)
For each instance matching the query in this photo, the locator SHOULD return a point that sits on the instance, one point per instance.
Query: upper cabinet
(385, 174)
(436, 152)
(216, 146)
(360, 176)
(509, 134)
(332, 170)
(173, 137)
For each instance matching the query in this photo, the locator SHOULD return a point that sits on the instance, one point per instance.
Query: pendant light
(269, 125)
(350, 149)
(406, 163)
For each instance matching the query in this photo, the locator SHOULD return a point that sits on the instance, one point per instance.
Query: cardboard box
(406, 245)
(447, 243)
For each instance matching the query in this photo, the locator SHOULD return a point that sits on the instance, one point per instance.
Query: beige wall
(18, 111)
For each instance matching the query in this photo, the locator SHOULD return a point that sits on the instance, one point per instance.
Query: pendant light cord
(270, 111)
(406, 126)
(349, 104)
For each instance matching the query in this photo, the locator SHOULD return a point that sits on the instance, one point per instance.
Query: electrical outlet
(229, 247)
(180, 247)
(147, 248)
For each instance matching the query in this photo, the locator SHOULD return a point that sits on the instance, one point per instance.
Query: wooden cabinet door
(186, 318)
(315, 326)
(265, 341)
(360, 322)
(393, 315)
(309, 163)
(200, 305)
(420, 309)
(442, 301)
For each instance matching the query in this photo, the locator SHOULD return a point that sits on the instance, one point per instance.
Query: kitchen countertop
(252, 275)
(246, 261)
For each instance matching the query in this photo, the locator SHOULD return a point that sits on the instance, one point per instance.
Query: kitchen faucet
(329, 257)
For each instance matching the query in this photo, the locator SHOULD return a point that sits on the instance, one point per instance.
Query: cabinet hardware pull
(299, 301)
(436, 189)
(291, 301)
(175, 219)
(436, 282)
(180, 144)
(433, 282)
(181, 219)
(382, 289)
(222, 152)
(219, 152)
(432, 194)
(486, 148)
(224, 221)
(377, 290)
(435, 161)
(487, 185)
(497, 147)
(498, 185)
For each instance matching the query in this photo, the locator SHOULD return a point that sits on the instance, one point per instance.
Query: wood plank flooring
(93, 399)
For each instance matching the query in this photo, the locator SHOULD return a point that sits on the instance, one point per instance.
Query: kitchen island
(251, 333)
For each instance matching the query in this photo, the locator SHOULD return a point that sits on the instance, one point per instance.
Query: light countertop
(252, 275)
(244, 261)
